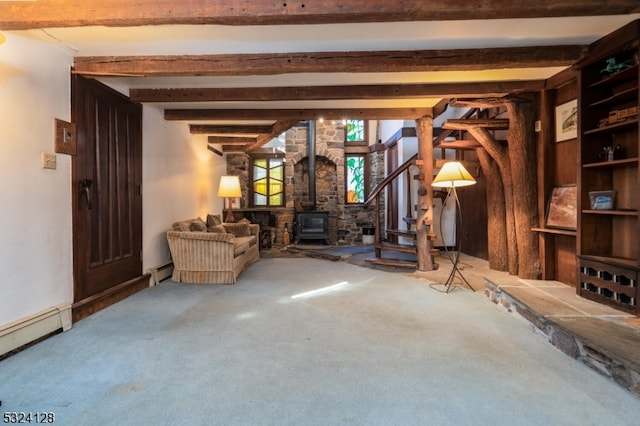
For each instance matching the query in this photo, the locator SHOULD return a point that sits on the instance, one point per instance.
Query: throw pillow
(213, 220)
(244, 220)
(238, 229)
(182, 226)
(198, 225)
(219, 229)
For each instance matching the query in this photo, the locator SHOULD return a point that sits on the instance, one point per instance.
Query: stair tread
(405, 232)
(397, 247)
(385, 261)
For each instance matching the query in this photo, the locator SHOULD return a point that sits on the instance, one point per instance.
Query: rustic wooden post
(496, 213)
(424, 244)
(522, 157)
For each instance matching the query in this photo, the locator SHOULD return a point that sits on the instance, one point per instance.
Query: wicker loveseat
(212, 252)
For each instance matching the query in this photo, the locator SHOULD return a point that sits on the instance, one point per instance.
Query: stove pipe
(311, 154)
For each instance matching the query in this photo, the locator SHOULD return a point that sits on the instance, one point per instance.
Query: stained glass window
(268, 181)
(355, 130)
(355, 178)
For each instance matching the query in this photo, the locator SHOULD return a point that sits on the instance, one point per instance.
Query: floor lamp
(229, 188)
(451, 176)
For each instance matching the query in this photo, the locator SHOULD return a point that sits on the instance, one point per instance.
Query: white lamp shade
(229, 187)
(453, 174)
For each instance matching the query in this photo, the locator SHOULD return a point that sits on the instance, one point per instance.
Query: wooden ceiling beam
(231, 140)
(332, 62)
(485, 123)
(21, 15)
(241, 129)
(277, 128)
(295, 114)
(365, 91)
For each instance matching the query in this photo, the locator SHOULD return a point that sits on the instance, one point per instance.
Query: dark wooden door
(106, 191)
(392, 193)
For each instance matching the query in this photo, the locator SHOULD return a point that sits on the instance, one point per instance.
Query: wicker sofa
(212, 252)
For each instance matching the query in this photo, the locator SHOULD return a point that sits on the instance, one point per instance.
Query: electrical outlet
(49, 161)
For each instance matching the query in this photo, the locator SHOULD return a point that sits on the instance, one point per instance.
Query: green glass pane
(355, 130)
(259, 200)
(260, 186)
(275, 200)
(277, 172)
(260, 162)
(355, 179)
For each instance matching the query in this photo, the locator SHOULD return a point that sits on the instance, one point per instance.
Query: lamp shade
(453, 174)
(229, 187)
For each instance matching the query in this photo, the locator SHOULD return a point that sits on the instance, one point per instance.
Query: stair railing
(375, 195)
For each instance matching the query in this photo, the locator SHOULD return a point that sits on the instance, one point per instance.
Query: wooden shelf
(618, 126)
(625, 74)
(555, 231)
(613, 212)
(625, 95)
(631, 161)
(611, 260)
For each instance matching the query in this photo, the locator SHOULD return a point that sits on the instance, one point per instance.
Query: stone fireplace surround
(345, 221)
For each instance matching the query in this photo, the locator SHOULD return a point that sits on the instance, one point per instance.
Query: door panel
(107, 217)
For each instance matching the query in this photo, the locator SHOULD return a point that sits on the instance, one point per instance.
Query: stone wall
(345, 221)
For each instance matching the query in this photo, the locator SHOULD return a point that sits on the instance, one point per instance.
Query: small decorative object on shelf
(618, 116)
(609, 152)
(613, 66)
(602, 200)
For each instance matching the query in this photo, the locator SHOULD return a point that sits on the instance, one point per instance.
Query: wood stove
(312, 225)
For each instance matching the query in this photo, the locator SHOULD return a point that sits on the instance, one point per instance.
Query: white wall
(35, 242)
(180, 181)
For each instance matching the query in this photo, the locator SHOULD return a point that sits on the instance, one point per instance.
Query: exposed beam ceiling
(240, 71)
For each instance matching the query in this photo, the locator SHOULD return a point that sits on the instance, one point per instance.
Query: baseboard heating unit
(161, 272)
(32, 328)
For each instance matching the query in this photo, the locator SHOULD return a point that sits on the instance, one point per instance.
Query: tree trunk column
(424, 244)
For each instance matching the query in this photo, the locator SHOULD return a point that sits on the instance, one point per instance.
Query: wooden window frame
(364, 142)
(366, 173)
(252, 160)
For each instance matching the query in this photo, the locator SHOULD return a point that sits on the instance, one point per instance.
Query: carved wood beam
(484, 123)
(231, 140)
(332, 62)
(208, 129)
(296, 114)
(490, 102)
(277, 128)
(464, 144)
(382, 91)
(19, 15)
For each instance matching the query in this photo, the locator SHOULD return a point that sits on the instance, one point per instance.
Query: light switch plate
(49, 161)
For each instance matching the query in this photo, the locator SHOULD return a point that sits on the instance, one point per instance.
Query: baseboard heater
(34, 327)
(160, 272)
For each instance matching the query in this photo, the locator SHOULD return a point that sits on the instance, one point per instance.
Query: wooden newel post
(424, 243)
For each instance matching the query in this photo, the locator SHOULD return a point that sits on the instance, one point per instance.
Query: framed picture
(235, 203)
(567, 121)
(562, 210)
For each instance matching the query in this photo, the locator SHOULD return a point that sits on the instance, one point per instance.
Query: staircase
(451, 128)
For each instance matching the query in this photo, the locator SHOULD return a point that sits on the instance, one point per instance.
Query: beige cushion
(182, 226)
(213, 220)
(197, 225)
(238, 229)
(241, 245)
(217, 228)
